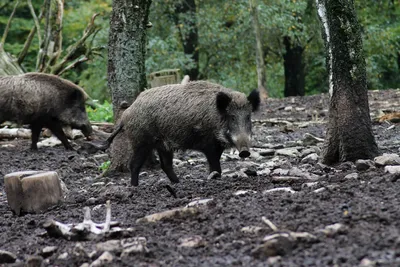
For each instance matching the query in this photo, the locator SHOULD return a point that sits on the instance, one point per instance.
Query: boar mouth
(242, 143)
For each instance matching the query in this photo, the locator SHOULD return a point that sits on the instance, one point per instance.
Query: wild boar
(200, 115)
(44, 100)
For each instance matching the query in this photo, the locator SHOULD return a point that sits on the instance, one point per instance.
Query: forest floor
(348, 217)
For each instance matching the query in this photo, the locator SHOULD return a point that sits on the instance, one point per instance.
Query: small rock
(280, 171)
(392, 169)
(311, 158)
(34, 261)
(279, 189)
(99, 184)
(290, 152)
(264, 172)
(63, 256)
(214, 175)
(192, 242)
(250, 171)
(351, 176)
(272, 261)
(48, 251)
(364, 164)
(334, 229)
(134, 245)
(280, 244)
(244, 192)
(387, 159)
(7, 257)
(104, 259)
(310, 185)
(251, 229)
(367, 263)
(110, 245)
(79, 251)
(85, 265)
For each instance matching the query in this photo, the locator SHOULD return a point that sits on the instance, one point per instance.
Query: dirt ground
(367, 206)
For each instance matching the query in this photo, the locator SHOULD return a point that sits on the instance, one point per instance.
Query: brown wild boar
(200, 115)
(44, 100)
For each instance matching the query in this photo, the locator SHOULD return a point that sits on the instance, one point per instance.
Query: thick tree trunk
(261, 74)
(189, 35)
(126, 66)
(294, 68)
(349, 135)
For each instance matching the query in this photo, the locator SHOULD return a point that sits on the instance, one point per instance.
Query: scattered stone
(192, 242)
(32, 191)
(48, 251)
(310, 185)
(199, 202)
(290, 152)
(319, 190)
(364, 164)
(264, 172)
(387, 159)
(279, 244)
(310, 140)
(169, 214)
(311, 158)
(63, 256)
(280, 171)
(105, 258)
(279, 189)
(367, 263)
(79, 251)
(34, 261)
(284, 179)
(49, 142)
(392, 169)
(272, 261)
(251, 229)
(7, 257)
(85, 265)
(214, 175)
(351, 176)
(250, 171)
(100, 184)
(110, 245)
(134, 246)
(244, 192)
(334, 229)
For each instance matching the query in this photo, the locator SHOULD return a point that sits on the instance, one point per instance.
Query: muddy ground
(366, 203)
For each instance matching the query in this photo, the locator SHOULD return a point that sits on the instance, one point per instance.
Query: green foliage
(104, 166)
(103, 112)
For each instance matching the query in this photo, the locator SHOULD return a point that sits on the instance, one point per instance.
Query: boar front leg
(56, 128)
(213, 156)
(166, 161)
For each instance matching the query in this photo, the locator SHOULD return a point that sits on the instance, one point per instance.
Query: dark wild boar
(201, 116)
(44, 100)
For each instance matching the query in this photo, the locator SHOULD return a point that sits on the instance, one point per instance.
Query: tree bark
(294, 68)
(126, 66)
(189, 36)
(261, 74)
(349, 133)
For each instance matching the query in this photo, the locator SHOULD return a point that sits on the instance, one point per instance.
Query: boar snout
(242, 143)
(87, 130)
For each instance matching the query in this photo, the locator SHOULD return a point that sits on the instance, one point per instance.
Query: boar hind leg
(166, 164)
(140, 154)
(36, 128)
(56, 128)
(213, 157)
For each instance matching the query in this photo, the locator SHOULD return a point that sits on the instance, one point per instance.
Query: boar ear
(254, 99)
(223, 101)
(76, 95)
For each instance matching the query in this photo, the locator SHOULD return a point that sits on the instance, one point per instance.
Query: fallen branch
(270, 224)
(87, 230)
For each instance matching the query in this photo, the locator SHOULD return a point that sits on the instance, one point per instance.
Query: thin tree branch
(36, 20)
(3, 39)
(73, 65)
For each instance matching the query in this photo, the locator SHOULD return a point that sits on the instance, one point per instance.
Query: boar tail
(106, 144)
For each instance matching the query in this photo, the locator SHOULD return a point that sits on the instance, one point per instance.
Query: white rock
(191, 242)
(104, 259)
(387, 159)
(351, 176)
(63, 256)
(393, 169)
(251, 229)
(280, 171)
(309, 139)
(279, 189)
(134, 246)
(49, 142)
(110, 245)
(311, 158)
(244, 192)
(333, 229)
(290, 152)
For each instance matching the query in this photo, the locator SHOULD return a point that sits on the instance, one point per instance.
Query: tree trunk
(261, 74)
(294, 68)
(189, 35)
(349, 134)
(126, 66)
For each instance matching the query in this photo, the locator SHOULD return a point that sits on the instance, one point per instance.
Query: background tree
(349, 135)
(126, 65)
